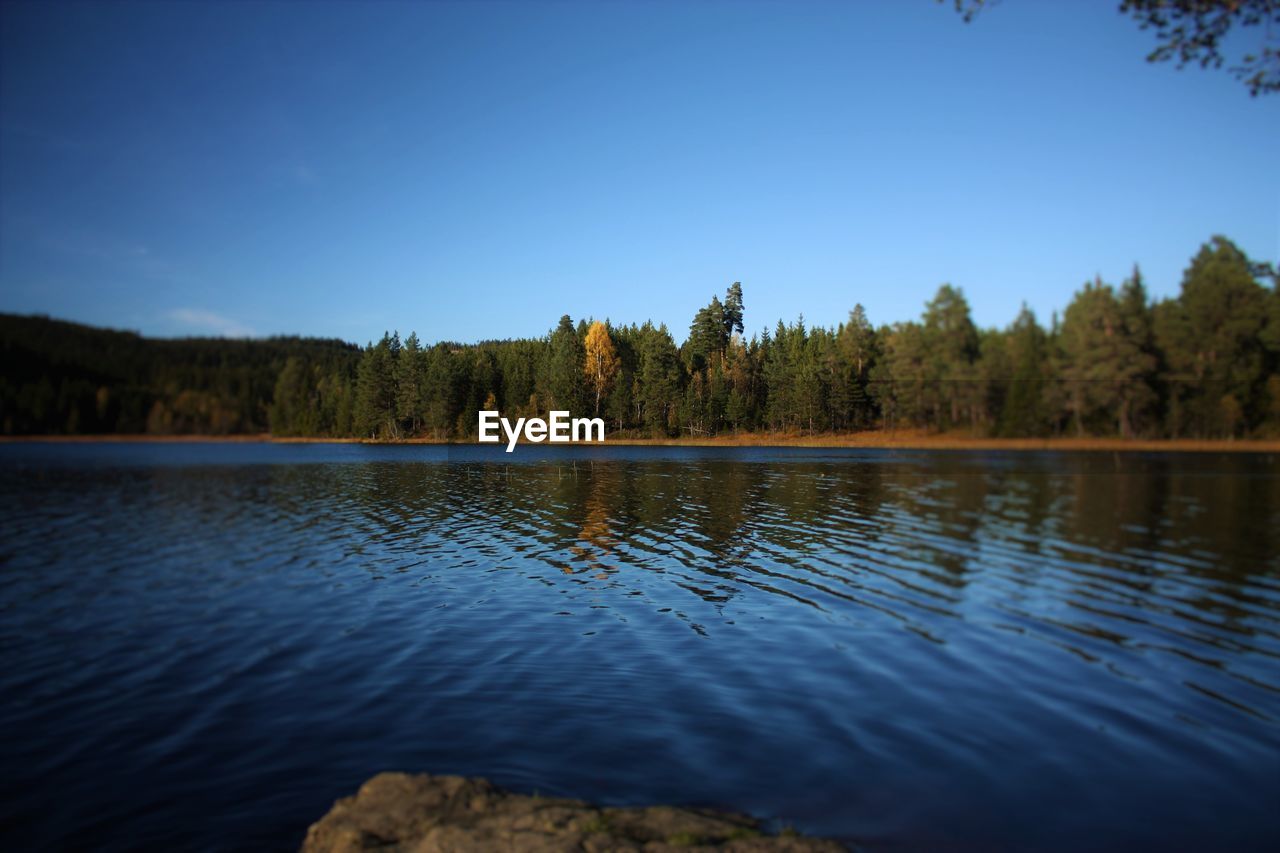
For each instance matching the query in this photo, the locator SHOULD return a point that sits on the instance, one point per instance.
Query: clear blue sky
(475, 171)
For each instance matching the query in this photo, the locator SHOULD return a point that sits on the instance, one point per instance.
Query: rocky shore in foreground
(399, 813)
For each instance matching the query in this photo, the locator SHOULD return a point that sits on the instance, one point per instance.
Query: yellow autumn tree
(602, 362)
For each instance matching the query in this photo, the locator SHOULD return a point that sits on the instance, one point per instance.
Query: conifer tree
(443, 375)
(1212, 337)
(291, 404)
(1022, 411)
(905, 387)
(952, 342)
(1104, 365)
(376, 390)
(733, 310)
(411, 389)
(856, 351)
(563, 368)
(1138, 397)
(659, 378)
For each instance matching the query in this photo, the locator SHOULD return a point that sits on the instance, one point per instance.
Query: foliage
(1203, 364)
(1193, 31)
(601, 362)
(1196, 32)
(66, 378)
(1219, 344)
(1103, 362)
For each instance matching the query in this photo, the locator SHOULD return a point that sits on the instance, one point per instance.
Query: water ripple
(889, 648)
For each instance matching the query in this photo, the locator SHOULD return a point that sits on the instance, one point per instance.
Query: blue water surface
(206, 644)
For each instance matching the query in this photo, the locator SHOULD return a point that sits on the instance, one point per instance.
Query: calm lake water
(206, 644)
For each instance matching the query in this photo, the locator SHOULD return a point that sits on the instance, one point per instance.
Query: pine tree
(952, 342)
(376, 390)
(1104, 365)
(659, 378)
(1138, 397)
(733, 310)
(563, 368)
(1212, 337)
(443, 391)
(905, 387)
(291, 403)
(1023, 411)
(706, 336)
(856, 352)
(411, 389)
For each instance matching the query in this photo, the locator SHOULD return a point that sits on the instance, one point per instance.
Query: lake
(206, 644)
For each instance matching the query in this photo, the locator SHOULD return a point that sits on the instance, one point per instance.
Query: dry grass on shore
(921, 439)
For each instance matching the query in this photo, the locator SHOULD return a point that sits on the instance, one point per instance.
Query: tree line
(1203, 364)
(67, 378)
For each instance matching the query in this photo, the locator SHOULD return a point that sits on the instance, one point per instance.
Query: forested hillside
(1205, 364)
(65, 378)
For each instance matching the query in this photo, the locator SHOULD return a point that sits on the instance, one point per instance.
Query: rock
(402, 813)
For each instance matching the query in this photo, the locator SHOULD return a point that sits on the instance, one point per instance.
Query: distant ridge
(62, 377)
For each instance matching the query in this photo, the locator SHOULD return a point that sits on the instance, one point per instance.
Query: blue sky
(475, 171)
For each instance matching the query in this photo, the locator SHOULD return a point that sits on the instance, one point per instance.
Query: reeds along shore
(889, 440)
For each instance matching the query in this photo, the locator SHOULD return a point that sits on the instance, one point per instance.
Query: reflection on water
(204, 645)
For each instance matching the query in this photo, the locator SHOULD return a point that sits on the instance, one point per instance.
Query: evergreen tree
(904, 386)
(376, 390)
(1103, 364)
(659, 379)
(856, 350)
(1212, 337)
(444, 383)
(733, 310)
(706, 335)
(291, 406)
(1023, 410)
(1138, 397)
(952, 342)
(562, 379)
(739, 406)
(411, 388)
(518, 362)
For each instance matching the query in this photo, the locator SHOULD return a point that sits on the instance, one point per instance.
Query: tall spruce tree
(1023, 410)
(411, 388)
(952, 342)
(856, 349)
(658, 379)
(563, 378)
(376, 389)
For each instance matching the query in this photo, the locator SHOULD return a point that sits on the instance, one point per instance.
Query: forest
(65, 378)
(1203, 364)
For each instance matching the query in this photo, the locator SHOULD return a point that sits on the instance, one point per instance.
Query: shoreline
(898, 440)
